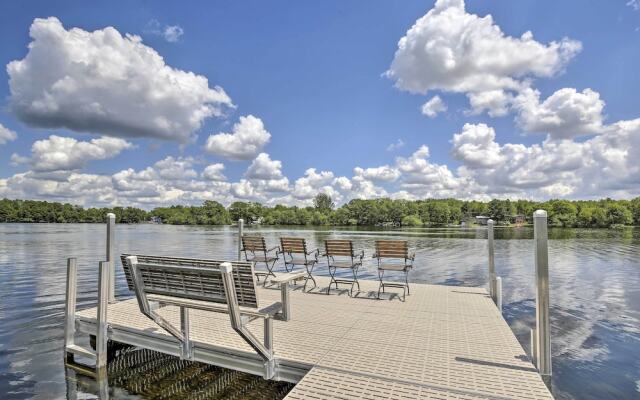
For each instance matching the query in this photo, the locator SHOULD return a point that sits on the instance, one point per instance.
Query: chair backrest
(338, 247)
(193, 278)
(392, 249)
(293, 245)
(254, 243)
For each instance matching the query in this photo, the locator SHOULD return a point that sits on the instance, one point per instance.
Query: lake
(594, 276)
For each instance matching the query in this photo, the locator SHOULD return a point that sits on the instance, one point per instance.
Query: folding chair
(393, 255)
(296, 250)
(340, 254)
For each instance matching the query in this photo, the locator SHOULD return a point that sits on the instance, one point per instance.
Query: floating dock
(443, 342)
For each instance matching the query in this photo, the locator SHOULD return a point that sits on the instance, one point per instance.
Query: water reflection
(595, 295)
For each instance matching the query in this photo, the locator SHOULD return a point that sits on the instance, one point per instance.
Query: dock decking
(444, 342)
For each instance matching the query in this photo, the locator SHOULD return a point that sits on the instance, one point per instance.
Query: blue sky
(329, 89)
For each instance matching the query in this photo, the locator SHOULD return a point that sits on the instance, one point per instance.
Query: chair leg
(355, 281)
(381, 285)
(333, 279)
(406, 280)
(309, 276)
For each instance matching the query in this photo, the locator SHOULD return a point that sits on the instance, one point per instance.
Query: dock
(443, 342)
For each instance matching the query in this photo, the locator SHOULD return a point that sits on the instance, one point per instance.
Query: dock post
(240, 233)
(103, 302)
(492, 265)
(499, 293)
(543, 323)
(111, 233)
(70, 306)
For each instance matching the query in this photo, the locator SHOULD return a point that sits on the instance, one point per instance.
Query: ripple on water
(595, 294)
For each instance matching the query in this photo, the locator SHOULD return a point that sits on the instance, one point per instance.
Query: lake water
(595, 298)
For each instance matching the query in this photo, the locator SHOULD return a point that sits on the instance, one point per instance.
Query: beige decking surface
(444, 342)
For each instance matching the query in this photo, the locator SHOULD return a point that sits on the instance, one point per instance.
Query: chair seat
(343, 264)
(300, 261)
(392, 267)
(262, 259)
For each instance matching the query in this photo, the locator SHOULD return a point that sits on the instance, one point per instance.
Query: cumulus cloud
(59, 153)
(496, 102)
(6, 135)
(383, 173)
(263, 167)
(214, 172)
(312, 183)
(475, 146)
(433, 107)
(246, 140)
(565, 114)
(603, 165)
(104, 82)
(452, 50)
(173, 169)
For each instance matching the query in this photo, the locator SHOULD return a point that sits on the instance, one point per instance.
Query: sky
(152, 103)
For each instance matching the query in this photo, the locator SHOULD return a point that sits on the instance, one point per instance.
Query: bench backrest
(193, 278)
(254, 243)
(392, 249)
(338, 247)
(293, 245)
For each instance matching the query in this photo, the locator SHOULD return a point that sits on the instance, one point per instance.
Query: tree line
(377, 212)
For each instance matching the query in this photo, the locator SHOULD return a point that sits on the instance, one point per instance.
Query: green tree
(323, 203)
(411, 220)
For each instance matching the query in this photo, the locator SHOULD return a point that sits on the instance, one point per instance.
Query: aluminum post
(543, 323)
(70, 305)
(103, 302)
(110, 257)
(492, 265)
(240, 233)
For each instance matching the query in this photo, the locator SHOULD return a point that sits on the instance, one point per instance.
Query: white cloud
(103, 82)
(263, 167)
(475, 146)
(565, 114)
(214, 172)
(422, 176)
(433, 107)
(635, 4)
(173, 169)
(312, 183)
(451, 50)
(383, 173)
(604, 165)
(247, 139)
(495, 102)
(395, 146)
(59, 153)
(172, 33)
(6, 135)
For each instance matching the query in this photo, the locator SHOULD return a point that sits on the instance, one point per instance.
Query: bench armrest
(272, 310)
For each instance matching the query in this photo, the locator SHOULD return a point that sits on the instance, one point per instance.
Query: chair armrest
(277, 248)
(375, 255)
(361, 255)
(314, 251)
(288, 277)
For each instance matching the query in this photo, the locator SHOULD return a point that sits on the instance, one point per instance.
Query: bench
(210, 285)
